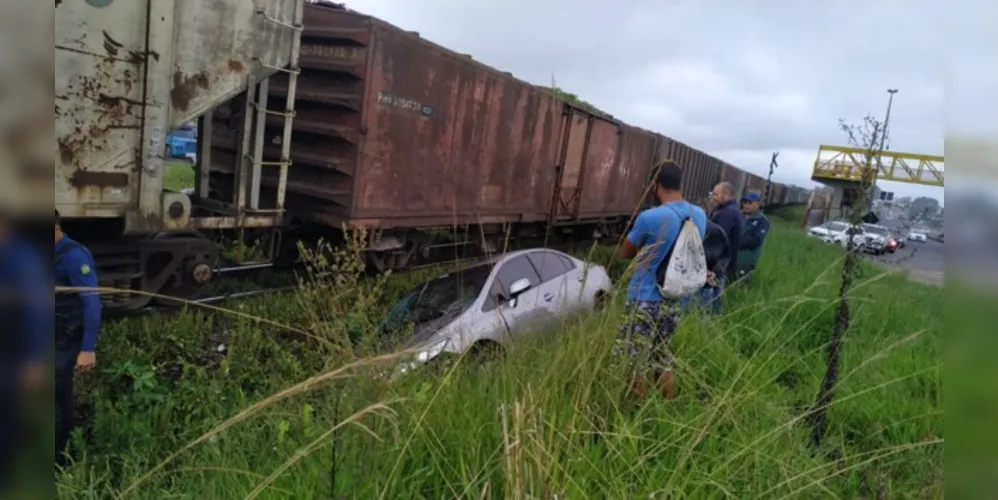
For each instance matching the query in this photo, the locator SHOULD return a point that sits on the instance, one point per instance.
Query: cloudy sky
(737, 79)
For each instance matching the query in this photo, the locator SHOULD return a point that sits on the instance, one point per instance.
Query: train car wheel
(392, 260)
(197, 257)
(382, 262)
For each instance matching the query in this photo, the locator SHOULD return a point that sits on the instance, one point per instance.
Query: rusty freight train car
(755, 183)
(702, 171)
(736, 177)
(393, 131)
(399, 135)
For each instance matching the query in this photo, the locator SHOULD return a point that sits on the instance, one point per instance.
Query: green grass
(179, 175)
(523, 427)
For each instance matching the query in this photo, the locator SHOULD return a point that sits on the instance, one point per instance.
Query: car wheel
(485, 351)
(441, 364)
(602, 298)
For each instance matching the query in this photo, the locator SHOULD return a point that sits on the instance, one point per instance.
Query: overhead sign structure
(839, 163)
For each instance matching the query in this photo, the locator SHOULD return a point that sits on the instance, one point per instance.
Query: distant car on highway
(895, 241)
(829, 231)
(481, 308)
(902, 240)
(917, 235)
(892, 245)
(837, 232)
(876, 239)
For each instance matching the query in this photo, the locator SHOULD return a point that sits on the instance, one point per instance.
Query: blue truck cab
(182, 144)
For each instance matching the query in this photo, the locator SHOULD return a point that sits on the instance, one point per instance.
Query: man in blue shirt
(78, 316)
(651, 319)
(26, 316)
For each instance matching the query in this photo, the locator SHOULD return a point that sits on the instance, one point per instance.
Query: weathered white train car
(127, 72)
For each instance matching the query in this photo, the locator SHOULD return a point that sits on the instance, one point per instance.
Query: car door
(521, 315)
(557, 295)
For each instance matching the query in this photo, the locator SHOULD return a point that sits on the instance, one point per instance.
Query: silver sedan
(484, 307)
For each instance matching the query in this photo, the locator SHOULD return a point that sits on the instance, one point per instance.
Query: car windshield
(447, 295)
(877, 230)
(835, 226)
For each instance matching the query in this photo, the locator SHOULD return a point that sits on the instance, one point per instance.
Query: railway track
(210, 303)
(290, 288)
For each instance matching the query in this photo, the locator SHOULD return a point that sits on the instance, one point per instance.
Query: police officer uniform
(754, 232)
(77, 323)
(26, 317)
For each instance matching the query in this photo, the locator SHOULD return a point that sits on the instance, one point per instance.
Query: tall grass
(549, 420)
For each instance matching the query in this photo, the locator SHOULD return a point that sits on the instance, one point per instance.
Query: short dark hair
(670, 176)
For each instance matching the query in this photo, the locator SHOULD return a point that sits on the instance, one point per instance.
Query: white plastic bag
(685, 264)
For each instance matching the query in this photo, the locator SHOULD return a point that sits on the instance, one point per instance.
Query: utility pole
(769, 179)
(878, 159)
(887, 119)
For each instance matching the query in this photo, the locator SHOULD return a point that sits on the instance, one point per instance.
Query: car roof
(505, 257)
(516, 253)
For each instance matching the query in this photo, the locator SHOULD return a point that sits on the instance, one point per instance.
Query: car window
(549, 266)
(836, 226)
(449, 294)
(511, 271)
(879, 231)
(568, 262)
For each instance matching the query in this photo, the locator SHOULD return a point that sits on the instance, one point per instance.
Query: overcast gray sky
(737, 79)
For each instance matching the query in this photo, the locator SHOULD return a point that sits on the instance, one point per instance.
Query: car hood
(423, 333)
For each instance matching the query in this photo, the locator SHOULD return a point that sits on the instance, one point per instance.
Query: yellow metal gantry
(846, 164)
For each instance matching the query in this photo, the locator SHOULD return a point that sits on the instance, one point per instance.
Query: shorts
(647, 331)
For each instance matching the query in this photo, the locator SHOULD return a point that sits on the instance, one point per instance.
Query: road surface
(924, 261)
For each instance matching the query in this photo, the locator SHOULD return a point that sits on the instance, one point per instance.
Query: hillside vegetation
(219, 406)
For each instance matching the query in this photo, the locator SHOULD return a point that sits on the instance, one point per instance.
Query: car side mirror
(516, 289)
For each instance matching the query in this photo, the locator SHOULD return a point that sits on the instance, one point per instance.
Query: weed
(282, 414)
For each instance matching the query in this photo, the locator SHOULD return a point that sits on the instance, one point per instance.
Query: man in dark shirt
(78, 316)
(717, 253)
(728, 216)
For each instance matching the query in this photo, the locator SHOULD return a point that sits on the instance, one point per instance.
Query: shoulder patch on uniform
(85, 269)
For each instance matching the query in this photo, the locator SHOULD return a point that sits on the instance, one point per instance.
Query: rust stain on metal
(185, 88)
(138, 57)
(68, 149)
(113, 101)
